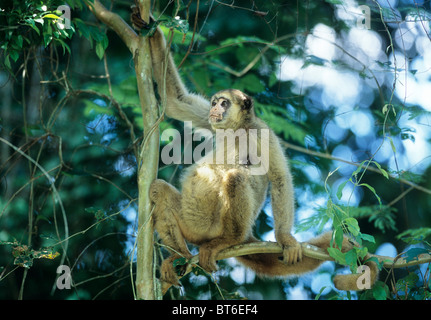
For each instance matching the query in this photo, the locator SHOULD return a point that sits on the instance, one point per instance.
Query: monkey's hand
(292, 251)
(137, 21)
(170, 271)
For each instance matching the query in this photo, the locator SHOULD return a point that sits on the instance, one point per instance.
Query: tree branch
(307, 250)
(116, 23)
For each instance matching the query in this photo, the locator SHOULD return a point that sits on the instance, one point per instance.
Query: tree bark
(149, 153)
(147, 164)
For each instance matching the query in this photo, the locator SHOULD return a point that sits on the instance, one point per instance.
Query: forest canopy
(345, 84)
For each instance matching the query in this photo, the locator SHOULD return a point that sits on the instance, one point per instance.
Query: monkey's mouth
(216, 118)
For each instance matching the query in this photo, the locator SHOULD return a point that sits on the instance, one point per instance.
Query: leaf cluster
(25, 255)
(30, 23)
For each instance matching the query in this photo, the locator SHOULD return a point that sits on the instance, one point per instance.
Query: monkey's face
(219, 109)
(230, 109)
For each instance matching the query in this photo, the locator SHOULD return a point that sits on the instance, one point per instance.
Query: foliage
(71, 125)
(24, 256)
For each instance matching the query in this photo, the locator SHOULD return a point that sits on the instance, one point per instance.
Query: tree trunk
(149, 153)
(147, 163)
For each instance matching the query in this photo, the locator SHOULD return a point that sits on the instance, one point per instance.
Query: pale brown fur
(219, 203)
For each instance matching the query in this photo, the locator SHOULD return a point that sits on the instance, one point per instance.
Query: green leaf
(101, 46)
(7, 62)
(394, 149)
(19, 41)
(83, 29)
(338, 236)
(23, 261)
(272, 79)
(352, 225)
(351, 258)
(64, 46)
(179, 262)
(384, 173)
(407, 282)
(372, 190)
(320, 293)
(317, 220)
(379, 291)
(31, 23)
(314, 60)
(99, 214)
(100, 51)
(179, 265)
(359, 168)
(377, 262)
(14, 54)
(47, 38)
(361, 252)
(179, 38)
(51, 16)
(414, 236)
(340, 189)
(178, 24)
(337, 255)
(47, 35)
(384, 218)
(367, 237)
(414, 253)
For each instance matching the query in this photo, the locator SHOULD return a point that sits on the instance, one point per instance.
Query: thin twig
(328, 156)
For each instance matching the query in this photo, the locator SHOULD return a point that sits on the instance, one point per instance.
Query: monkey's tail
(358, 281)
(269, 264)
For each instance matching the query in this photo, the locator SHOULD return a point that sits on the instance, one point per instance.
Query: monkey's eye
(224, 104)
(213, 103)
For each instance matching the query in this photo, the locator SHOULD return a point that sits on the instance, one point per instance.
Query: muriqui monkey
(219, 202)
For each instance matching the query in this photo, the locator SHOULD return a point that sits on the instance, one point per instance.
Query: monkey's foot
(292, 254)
(168, 273)
(292, 250)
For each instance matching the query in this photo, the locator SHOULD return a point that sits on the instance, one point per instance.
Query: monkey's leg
(167, 202)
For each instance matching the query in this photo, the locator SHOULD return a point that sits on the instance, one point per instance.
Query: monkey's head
(230, 109)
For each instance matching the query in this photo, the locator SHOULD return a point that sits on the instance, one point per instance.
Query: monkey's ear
(247, 103)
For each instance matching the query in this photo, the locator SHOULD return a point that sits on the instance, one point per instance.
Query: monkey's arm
(282, 201)
(180, 104)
